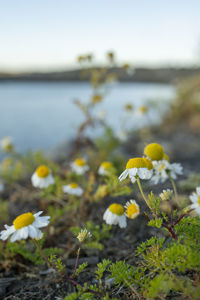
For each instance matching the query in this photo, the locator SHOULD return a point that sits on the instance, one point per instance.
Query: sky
(50, 34)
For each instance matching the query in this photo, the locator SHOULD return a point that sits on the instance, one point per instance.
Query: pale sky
(49, 34)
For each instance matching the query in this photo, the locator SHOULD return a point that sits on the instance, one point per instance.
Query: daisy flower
(141, 167)
(105, 168)
(164, 170)
(166, 195)
(79, 166)
(132, 209)
(24, 226)
(6, 144)
(114, 215)
(42, 177)
(73, 189)
(195, 198)
(154, 151)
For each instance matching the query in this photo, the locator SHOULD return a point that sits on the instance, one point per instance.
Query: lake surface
(43, 115)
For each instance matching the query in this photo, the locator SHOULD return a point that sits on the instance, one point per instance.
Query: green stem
(174, 188)
(141, 191)
(43, 255)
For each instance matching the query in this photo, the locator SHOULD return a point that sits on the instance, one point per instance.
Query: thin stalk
(141, 191)
(43, 255)
(77, 260)
(174, 188)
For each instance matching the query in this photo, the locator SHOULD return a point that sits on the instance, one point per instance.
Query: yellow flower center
(166, 157)
(42, 171)
(23, 220)
(148, 163)
(154, 151)
(107, 165)
(116, 209)
(131, 210)
(199, 200)
(80, 162)
(96, 98)
(161, 167)
(128, 106)
(143, 109)
(137, 162)
(73, 185)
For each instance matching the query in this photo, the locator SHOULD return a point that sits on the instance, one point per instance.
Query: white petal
(23, 232)
(198, 190)
(33, 232)
(123, 175)
(16, 236)
(41, 222)
(38, 214)
(122, 221)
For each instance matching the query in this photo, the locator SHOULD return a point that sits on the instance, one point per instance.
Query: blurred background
(42, 59)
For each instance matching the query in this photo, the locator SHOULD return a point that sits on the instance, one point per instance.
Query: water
(42, 115)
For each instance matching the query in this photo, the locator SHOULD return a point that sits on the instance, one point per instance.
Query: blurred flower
(164, 170)
(42, 177)
(166, 195)
(105, 168)
(137, 167)
(101, 114)
(79, 166)
(122, 135)
(128, 107)
(195, 198)
(6, 144)
(24, 226)
(154, 151)
(73, 189)
(132, 209)
(143, 110)
(97, 98)
(83, 234)
(114, 215)
(111, 56)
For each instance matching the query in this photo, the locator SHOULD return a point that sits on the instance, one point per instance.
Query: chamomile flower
(164, 170)
(42, 177)
(132, 209)
(141, 167)
(195, 198)
(105, 168)
(114, 215)
(154, 151)
(73, 189)
(24, 226)
(83, 234)
(6, 144)
(79, 166)
(166, 195)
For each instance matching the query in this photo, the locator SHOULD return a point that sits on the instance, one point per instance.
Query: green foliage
(122, 273)
(155, 222)
(99, 233)
(3, 211)
(81, 268)
(102, 268)
(57, 262)
(31, 254)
